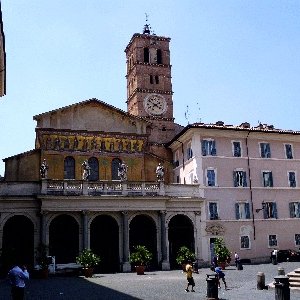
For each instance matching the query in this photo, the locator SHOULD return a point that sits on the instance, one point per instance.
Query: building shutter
(247, 210)
(237, 211)
(275, 210)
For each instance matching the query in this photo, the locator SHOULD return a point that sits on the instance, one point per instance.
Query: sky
(232, 60)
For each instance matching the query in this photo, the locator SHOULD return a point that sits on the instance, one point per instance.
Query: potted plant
(88, 260)
(222, 252)
(141, 256)
(42, 259)
(184, 254)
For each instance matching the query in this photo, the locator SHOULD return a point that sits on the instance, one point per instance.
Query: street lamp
(262, 208)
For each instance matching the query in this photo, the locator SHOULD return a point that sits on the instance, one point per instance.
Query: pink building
(250, 185)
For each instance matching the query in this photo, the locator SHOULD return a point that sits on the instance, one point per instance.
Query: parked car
(287, 255)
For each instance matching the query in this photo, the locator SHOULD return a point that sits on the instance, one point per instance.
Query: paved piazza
(165, 285)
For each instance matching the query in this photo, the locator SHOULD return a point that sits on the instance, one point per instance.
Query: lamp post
(262, 208)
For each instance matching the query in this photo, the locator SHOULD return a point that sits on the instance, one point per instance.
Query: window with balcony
(245, 242)
(294, 209)
(242, 210)
(272, 240)
(236, 149)
(288, 151)
(267, 179)
(210, 177)
(213, 211)
(292, 179)
(208, 147)
(239, 178)
(265, 150)
(270, 210)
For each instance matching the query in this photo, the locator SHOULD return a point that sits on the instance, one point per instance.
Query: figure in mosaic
(44, 169)
(160, 172)
(122, 171)
(86, 170)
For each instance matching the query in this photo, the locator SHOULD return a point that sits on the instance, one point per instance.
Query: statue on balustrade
(44, 169)
(122, 171)
(160, 172)
(86, 170)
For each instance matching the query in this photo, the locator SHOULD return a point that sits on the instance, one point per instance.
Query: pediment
(91, 115)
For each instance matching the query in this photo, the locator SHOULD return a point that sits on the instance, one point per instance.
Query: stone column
(197, 234)
(126, 263)
(85, 229)
(165, 265)
(43, 233)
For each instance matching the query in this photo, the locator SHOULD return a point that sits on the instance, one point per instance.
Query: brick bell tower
(149, 86)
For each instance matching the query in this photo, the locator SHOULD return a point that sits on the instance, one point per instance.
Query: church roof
(85, 102)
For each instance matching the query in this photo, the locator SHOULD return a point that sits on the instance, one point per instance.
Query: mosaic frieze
(90, 143)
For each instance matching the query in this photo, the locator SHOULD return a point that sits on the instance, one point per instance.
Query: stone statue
(122, 171)
(44, 169)
(86, 170)
(160, 172)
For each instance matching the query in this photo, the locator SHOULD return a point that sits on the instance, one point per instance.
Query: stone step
(293, 274)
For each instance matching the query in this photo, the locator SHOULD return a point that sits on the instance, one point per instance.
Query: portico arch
(64, 239)
(104, 241)
(142, 231)
(181, 233)
(18, 241)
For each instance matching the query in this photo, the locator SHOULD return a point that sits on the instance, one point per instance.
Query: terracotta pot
(87, 272)
(140, 270)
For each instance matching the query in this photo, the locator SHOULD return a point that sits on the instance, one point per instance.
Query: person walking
(189, 276)
(17, 277)
(221, 275)
(236, 259)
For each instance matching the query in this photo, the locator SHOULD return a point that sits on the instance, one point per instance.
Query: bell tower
(149, 86)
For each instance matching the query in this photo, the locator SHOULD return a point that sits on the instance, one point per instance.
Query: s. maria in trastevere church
(105, 179)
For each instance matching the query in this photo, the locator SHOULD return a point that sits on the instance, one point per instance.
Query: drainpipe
(250, 186)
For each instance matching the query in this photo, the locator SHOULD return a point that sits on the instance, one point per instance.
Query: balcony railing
(99, 188)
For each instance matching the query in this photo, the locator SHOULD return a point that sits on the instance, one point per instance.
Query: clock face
(155, 104)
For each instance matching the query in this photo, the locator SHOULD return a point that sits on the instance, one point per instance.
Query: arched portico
(17, 242)
(104, 241)
(181, 233)
(142, 231)
(64, 238)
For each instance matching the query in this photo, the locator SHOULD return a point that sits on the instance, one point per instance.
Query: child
(189, 276)
(221, 275)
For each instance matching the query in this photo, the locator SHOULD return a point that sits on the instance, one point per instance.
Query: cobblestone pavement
(165, 285)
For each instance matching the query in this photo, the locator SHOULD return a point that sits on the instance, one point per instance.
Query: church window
(159, 56)
(156, 79)
(114, 168)
(94, 164)
(146, 55)
(69, 168)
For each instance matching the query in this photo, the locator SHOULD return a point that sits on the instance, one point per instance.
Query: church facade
(47, 198)
(102, 178)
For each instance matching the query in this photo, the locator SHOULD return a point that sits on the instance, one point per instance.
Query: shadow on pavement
(56, 288)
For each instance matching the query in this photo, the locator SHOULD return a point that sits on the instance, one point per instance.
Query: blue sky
(233, 61)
